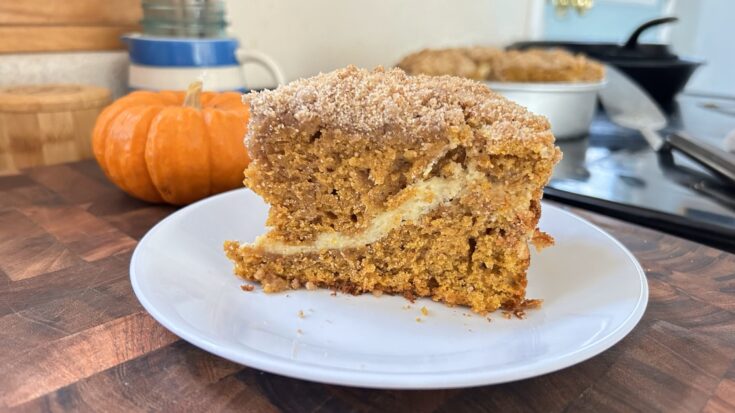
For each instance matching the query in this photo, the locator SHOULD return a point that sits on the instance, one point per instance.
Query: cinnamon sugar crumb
(364, 101)
(488, 63)
(247, 287)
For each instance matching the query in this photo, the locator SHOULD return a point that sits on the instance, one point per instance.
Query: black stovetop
(614, 171)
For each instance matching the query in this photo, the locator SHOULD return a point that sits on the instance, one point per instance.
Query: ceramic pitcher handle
(254, 56)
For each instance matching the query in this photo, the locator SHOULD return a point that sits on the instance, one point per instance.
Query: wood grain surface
(70, 12)
(47, 124)
(17, 39)
(74, 337)
(66, 25)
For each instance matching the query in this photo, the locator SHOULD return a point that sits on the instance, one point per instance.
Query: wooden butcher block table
(74, 337)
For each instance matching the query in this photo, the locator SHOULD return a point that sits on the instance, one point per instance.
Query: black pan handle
(632, 42)
(711, 157)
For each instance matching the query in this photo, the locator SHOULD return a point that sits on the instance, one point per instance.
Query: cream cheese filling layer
(423, 197)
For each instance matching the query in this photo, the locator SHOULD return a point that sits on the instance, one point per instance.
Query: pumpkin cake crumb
(387, 183)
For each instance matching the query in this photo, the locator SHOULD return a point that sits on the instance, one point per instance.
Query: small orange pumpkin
(173, 147)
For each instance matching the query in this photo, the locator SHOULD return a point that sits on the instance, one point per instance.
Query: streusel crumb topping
(385, 102)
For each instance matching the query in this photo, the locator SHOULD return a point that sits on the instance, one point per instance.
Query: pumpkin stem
(193, 95)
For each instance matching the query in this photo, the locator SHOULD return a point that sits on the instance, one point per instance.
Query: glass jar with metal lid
(184, 18)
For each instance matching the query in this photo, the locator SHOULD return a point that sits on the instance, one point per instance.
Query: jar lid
(52, 97)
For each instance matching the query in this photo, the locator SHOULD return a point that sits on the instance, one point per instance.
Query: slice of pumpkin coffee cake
(383, 182)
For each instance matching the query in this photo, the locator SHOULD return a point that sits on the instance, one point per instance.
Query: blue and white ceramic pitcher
(166, 63)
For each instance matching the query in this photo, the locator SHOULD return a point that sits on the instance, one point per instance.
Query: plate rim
(393, 380)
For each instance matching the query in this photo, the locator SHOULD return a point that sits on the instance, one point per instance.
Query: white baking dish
(569, 107)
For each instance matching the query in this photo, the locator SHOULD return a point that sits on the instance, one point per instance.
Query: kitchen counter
(74, 337)
(614, 171)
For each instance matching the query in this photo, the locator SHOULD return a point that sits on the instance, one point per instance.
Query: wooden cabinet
(68, 25)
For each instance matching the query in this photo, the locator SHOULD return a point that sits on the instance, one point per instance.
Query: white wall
(707, 31)
(607, 21)
(309, 36)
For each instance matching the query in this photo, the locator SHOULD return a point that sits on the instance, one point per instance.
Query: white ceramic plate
(593, 289)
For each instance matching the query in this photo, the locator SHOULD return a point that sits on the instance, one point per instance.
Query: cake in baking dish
(387, 183)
